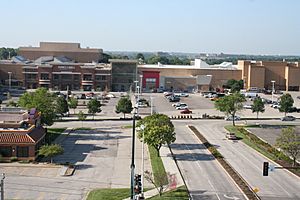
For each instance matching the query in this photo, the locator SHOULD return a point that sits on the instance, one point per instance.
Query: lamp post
(273, 88)
(142, 127)
(151, 104)
(141, 84)
(9, 80)
(132, 166)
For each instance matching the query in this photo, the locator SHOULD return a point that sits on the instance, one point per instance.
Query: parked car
(231, 136)
(288, 118)
(110, 95)
(174, 99)
(229, 118)
(182, 107)
(82, 96)
(247, 106)
(142, 105)
(168, 94)
(182, 94)
(186, 111)
(176, 104)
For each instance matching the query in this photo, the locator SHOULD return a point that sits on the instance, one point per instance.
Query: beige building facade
(70, 50)
(285, 75)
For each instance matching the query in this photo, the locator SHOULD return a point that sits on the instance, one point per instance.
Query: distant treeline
(5, 53)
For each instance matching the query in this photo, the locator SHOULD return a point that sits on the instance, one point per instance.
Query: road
(248, 163)
(205, 177)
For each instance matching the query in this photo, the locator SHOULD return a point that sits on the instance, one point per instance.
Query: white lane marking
(228, 197)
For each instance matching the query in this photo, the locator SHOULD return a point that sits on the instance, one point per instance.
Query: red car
(186, 111)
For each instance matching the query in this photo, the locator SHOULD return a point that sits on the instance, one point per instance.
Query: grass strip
(83, 128)
(180, 193)
(251, 195)
(158, 168)
(109, 194)
(53, 133)
(262, 147)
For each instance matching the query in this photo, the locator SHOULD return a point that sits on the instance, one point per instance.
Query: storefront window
(22, 151)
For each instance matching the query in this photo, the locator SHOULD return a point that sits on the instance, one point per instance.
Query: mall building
(62, 66)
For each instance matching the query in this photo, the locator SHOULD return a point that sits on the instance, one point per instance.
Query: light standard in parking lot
(9, 80)
(141, 84)
(132, 166)
(273, 88)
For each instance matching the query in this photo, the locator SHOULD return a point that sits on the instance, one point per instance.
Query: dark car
(174, 99)
(288, 118)
(82, 96)
(186, 111)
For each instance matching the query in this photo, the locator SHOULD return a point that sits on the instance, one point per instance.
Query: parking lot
(102, 157)
(200, 105)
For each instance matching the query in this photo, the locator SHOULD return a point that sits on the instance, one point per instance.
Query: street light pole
(273, 88)
(132, 166)
(9, 80)
(141, 84)
(151, 103)
(2, 186)
(142, 127)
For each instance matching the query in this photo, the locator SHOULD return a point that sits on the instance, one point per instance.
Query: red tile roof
(22, 138)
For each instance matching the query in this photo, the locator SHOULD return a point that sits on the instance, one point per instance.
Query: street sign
(271, 168)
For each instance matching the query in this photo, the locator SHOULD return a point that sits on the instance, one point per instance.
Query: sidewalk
(171, 169)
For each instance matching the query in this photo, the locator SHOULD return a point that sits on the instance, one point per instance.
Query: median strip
(243, 185)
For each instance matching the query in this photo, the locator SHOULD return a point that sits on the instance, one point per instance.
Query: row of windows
(65, 77)
(21, 151)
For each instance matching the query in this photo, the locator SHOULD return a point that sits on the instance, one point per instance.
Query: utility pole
(2, 186)
(132, 166)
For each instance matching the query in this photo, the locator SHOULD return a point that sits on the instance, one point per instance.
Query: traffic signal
(265, 168)
(137, 184)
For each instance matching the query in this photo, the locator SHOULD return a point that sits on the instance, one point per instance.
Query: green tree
(289, 141)
(61, 106)
(73, 103)
(158, 130)
(258, 106)
(286, 102)
(81, 116)
(231, 104)
(124, 106)
(94, 106)
(50, 151)
(43, 101)
(140, 56)
(235, 85)
(12, 103)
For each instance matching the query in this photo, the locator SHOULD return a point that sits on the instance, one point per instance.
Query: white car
(182, 94)
(247, 106)
(229, 118)
(176, 104)
(182, 107)
(110, 95)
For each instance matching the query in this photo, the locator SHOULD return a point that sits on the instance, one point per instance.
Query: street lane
(248, 163)
(205, 178)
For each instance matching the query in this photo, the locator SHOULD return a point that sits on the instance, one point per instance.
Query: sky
(270, 27)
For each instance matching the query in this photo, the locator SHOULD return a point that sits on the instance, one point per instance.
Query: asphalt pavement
(205, 177)
(279, 185)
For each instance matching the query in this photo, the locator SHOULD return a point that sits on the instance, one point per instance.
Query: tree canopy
(286, 102)
(49, 151)
(289, 142)
(258, 106)
(124, 106)
(43, 101)
(6, 52)
(235, 85)
(61, 106)
(230, 104)
(158, 130)
(94, 106)
(73, 103)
